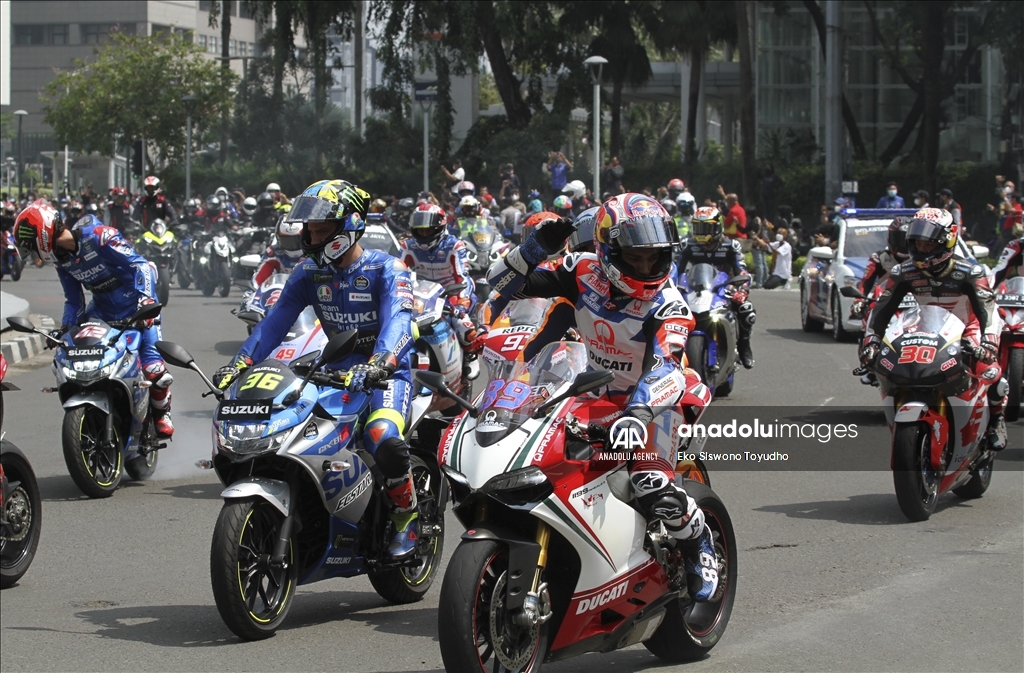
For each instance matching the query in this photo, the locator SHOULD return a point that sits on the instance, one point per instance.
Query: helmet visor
(311, 208)
(424, 218)
(651, 231)
(703, 232)
(926, 230)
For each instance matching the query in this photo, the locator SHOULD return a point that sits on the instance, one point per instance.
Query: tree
(132, 89)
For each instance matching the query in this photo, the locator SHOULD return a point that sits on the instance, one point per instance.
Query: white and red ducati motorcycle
(557, 559)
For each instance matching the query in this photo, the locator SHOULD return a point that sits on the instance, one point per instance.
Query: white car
(860, 233)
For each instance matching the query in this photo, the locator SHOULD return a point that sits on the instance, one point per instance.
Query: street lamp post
(21, 155)
(190, 103)
(595, 64)
(425, 93)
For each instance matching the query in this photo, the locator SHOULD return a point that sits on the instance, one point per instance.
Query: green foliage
(652, 134)
(133, 89)
(488, 91)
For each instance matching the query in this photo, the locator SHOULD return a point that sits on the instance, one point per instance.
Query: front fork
(537, 604)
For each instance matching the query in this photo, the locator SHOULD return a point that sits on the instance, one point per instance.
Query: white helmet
(469, 207)
(273, 187)
(249, 206)
(686, 204)
(575, 189)
(289, 238)
(222, 192)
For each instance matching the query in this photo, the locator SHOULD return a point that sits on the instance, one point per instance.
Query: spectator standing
(1013, 224)
(782, 260)
(946, 199)
(921, 199)
(509, 182)
(486, 198)
(511, 221)
(892, 199)
(735, 224)
(611, 178)
(558, 167)
(758, 248)
(457, 174)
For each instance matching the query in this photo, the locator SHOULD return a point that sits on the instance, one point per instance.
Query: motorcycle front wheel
(697, 357)
(96, 469)
(690, 630)
(23, 514)
(916, 483)
(474, 631)
(1015, 377)
(252, 596)
(163, 285)
(224, 278)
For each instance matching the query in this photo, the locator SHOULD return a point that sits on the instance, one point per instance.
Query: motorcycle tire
(141, 468)
(208, 288)
(981, 478)
(689, 631)
(917, 485)
(1014, 376)
(697, 355)
(15, 266)
(23, 510)
(408, 585)
(807, 323)
(163, 286)
(96, 471)
(243, 538)
(224, 274)
(474, 585)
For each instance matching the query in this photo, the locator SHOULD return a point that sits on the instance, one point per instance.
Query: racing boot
(996, 434)
(701, 566)
(162, 421)
(404, 517)
(746, 355)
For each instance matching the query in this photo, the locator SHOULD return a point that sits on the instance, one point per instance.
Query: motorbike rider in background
(225, 201)
(154, 206)
(708, 244)
(1011, 257)
(120, 209)
(249, 208)
(216, 218)
(284, 254)
(353, 288)
(265, 215)
(936, 275)
(97, 258)
(634, 322)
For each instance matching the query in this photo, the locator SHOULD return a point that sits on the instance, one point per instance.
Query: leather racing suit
(446, 265)
(272, 263)
(153, 208)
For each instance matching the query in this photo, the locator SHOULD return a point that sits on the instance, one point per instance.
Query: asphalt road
(832, 577)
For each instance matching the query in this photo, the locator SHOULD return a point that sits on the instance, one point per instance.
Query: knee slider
(997, 392)
(392, 456)
(157, 374)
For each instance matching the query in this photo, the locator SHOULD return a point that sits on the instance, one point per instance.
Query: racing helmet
(151, 185)
(192, 207)
(222, 194)
(629, 225)
(465, 188)
(427, 224)
(75, 209)
(406, 205)
(273, 188)
(931, 239)
(469, 207)
(686, 204)
(265, 201)
(249, 206)
(337, 202)
(378, 206)
(706, 227)
(896, 238)
(118, 195)
(675, 185)
(562, 205)
(289, 238)
(575, 189)
(582, 239)
(37, 228)
(213, 205)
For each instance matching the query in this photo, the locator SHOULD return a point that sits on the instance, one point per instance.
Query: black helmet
(265, 200)
(897, 237)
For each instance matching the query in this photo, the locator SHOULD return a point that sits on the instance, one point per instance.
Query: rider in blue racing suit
(633, 322)
(97, 258)
(353, 288)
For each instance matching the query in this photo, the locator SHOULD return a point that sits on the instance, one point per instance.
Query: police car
(860, 232)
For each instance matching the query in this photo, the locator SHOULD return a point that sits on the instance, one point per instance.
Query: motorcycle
(108, 427)
(11, 262)
(711, 346)
(1010, 298)
(250, 241)
(21, 507)
(437, 348)
(484, 247)
(159, 246)
(937, 409)
(215, 261)
(862, 309)
(186, 232)
(304, 501)
(557, 559)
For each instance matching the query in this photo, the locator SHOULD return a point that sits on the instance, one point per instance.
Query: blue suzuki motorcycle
(304, 502)
(711, 347)
(108, 428)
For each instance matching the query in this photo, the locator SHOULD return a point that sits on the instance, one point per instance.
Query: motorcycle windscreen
(527, 311)
(1011, 293)
(91, 333)
(927, 319)
(701, 277)
(304, 324)
(518, 388)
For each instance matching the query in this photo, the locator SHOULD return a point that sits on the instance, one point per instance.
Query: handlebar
(336, 379)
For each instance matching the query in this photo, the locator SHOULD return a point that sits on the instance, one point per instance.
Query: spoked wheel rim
(102, 463)
(702, 618)
(17, 534)
(423, 482)
(264, 589)
(517, 647)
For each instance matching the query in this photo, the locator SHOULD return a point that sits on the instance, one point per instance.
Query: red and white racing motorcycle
(1010, 297)
(557, 559)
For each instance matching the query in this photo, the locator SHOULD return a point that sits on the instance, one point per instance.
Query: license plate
(86, 353)
(244, 410)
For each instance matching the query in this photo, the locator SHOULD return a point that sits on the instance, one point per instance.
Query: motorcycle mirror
(851, 292)
(584, 383)
(434, 382)
(251, 317)
(454, 289)
(20, 324)
(174, 354)
(147, 312)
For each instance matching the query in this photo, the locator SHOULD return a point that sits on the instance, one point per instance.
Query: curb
(29, 345)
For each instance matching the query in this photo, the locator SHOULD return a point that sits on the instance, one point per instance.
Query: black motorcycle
(21, 514)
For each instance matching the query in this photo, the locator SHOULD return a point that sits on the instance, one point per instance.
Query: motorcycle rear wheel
(981, 478)
(96, 470)
(252, 597)
(408, 585)
(1014, 376)
(916, 483)
(690, 631)
(23, 509)
(474, 591)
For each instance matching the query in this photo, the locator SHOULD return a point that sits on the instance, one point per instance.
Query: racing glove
(56, 335)
(869, 350)
(989, 350)
(144, 302)
(476, 338)
(370, 375)
(548, 238)
(226, 375)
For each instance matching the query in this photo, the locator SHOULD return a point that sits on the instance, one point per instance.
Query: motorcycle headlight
(248, 439)
(519, 487)
(202, 260)
(86, 365)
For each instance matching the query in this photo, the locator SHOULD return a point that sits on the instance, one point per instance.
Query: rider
(937, 275)
(675, 188)
(439, 256)
(225, 201)
(894, 253)
(265, 215)
(121, 281)
(216, 218)
(284, 255)
(120, 209)
(154, 206)
(562, 206)
(249, 208)
(686, 206)
(635, 322)
(1011, 256)
(353, 288)
(707, 244)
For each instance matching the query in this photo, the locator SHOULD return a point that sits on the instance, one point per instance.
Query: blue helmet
(334, 201)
